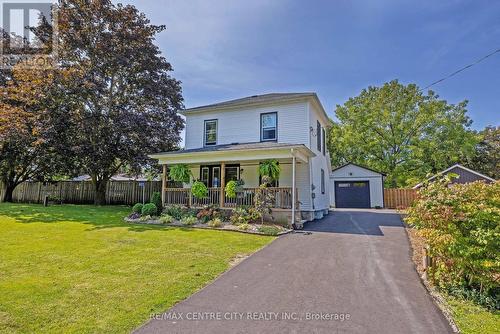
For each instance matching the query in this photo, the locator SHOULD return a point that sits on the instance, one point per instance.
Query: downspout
(293, 185)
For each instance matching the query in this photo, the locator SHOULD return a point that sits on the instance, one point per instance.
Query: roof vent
(254, 96)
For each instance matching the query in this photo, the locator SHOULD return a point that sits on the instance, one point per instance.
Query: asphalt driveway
(351, 274)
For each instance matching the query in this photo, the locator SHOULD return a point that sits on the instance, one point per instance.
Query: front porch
(282, 197)
(217, 165)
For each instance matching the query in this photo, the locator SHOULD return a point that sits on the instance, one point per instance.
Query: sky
(228, 49)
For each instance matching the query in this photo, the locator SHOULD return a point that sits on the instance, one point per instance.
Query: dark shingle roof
(235, 147)
(264, 98)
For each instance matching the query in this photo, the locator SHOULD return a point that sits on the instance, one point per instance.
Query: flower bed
(266, 229)
(240, 220)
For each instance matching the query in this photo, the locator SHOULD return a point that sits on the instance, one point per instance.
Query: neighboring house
(355, 186)
(465, 175)
(227, 141)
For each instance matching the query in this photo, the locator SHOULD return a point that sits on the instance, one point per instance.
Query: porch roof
(235, 152)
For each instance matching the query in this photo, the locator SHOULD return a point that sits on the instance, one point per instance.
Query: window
(322, 181)
(318, 135)
(205, 175)
(232, 173)
(216, 177)
(268, 126)
(323, 136)
(211, 132)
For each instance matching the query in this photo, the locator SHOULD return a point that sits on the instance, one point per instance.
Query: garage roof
(350, 163)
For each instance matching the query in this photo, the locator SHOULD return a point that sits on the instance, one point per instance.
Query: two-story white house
(228, 140)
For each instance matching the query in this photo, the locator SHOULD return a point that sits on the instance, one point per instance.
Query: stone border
(435, 295)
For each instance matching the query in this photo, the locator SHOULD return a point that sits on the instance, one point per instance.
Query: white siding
(320, 161)
(243, 125)
(356, 173)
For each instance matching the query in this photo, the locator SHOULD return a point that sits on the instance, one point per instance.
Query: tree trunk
(100, 187)
(9, 190)
(7, 196)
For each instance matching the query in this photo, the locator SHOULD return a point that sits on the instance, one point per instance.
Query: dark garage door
(352, 194)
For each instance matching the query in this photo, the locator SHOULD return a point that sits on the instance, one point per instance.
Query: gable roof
(350, 163)
(452, 167)
(262, 99)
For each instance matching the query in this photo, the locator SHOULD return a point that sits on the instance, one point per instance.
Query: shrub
(149, 210)
(145, 218)
(199, 190)
(239, 216)
(216, 222)
(188, 221)
(189, 212)
(166, 219)
(134, 215)
(461, 225)
(156, 200)
(230, 189)
(253, 215)
(269, 230)
(175, 211)
(180, 173)
(244, 227)
(137, 208)
(207, 213)
(263, 202)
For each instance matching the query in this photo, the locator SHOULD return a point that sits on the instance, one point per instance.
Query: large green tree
(126, 103)
(486, 157)
(402, 131)
(109, 103)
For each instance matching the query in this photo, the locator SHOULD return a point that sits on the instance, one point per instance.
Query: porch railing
(281, 197)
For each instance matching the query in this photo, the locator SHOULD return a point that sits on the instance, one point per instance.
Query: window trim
(205, 132)
(262, 129)
(323, 139)
(202, 168)
(318, 136)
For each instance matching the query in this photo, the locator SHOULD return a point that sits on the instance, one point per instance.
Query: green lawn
(82, 269)
(473, 319)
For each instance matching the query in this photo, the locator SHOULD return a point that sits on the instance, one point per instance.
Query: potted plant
(180, 173)
(271, 169)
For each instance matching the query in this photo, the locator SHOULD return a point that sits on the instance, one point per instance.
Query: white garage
(354, 186)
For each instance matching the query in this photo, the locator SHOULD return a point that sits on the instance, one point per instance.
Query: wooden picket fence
(399, 198)
(82, 192)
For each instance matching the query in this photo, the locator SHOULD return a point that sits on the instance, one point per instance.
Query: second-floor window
(269, 126)
(211, 132)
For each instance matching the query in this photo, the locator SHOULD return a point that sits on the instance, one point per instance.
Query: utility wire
(460, 70)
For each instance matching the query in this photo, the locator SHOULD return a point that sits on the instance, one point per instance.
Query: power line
(460, 70)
